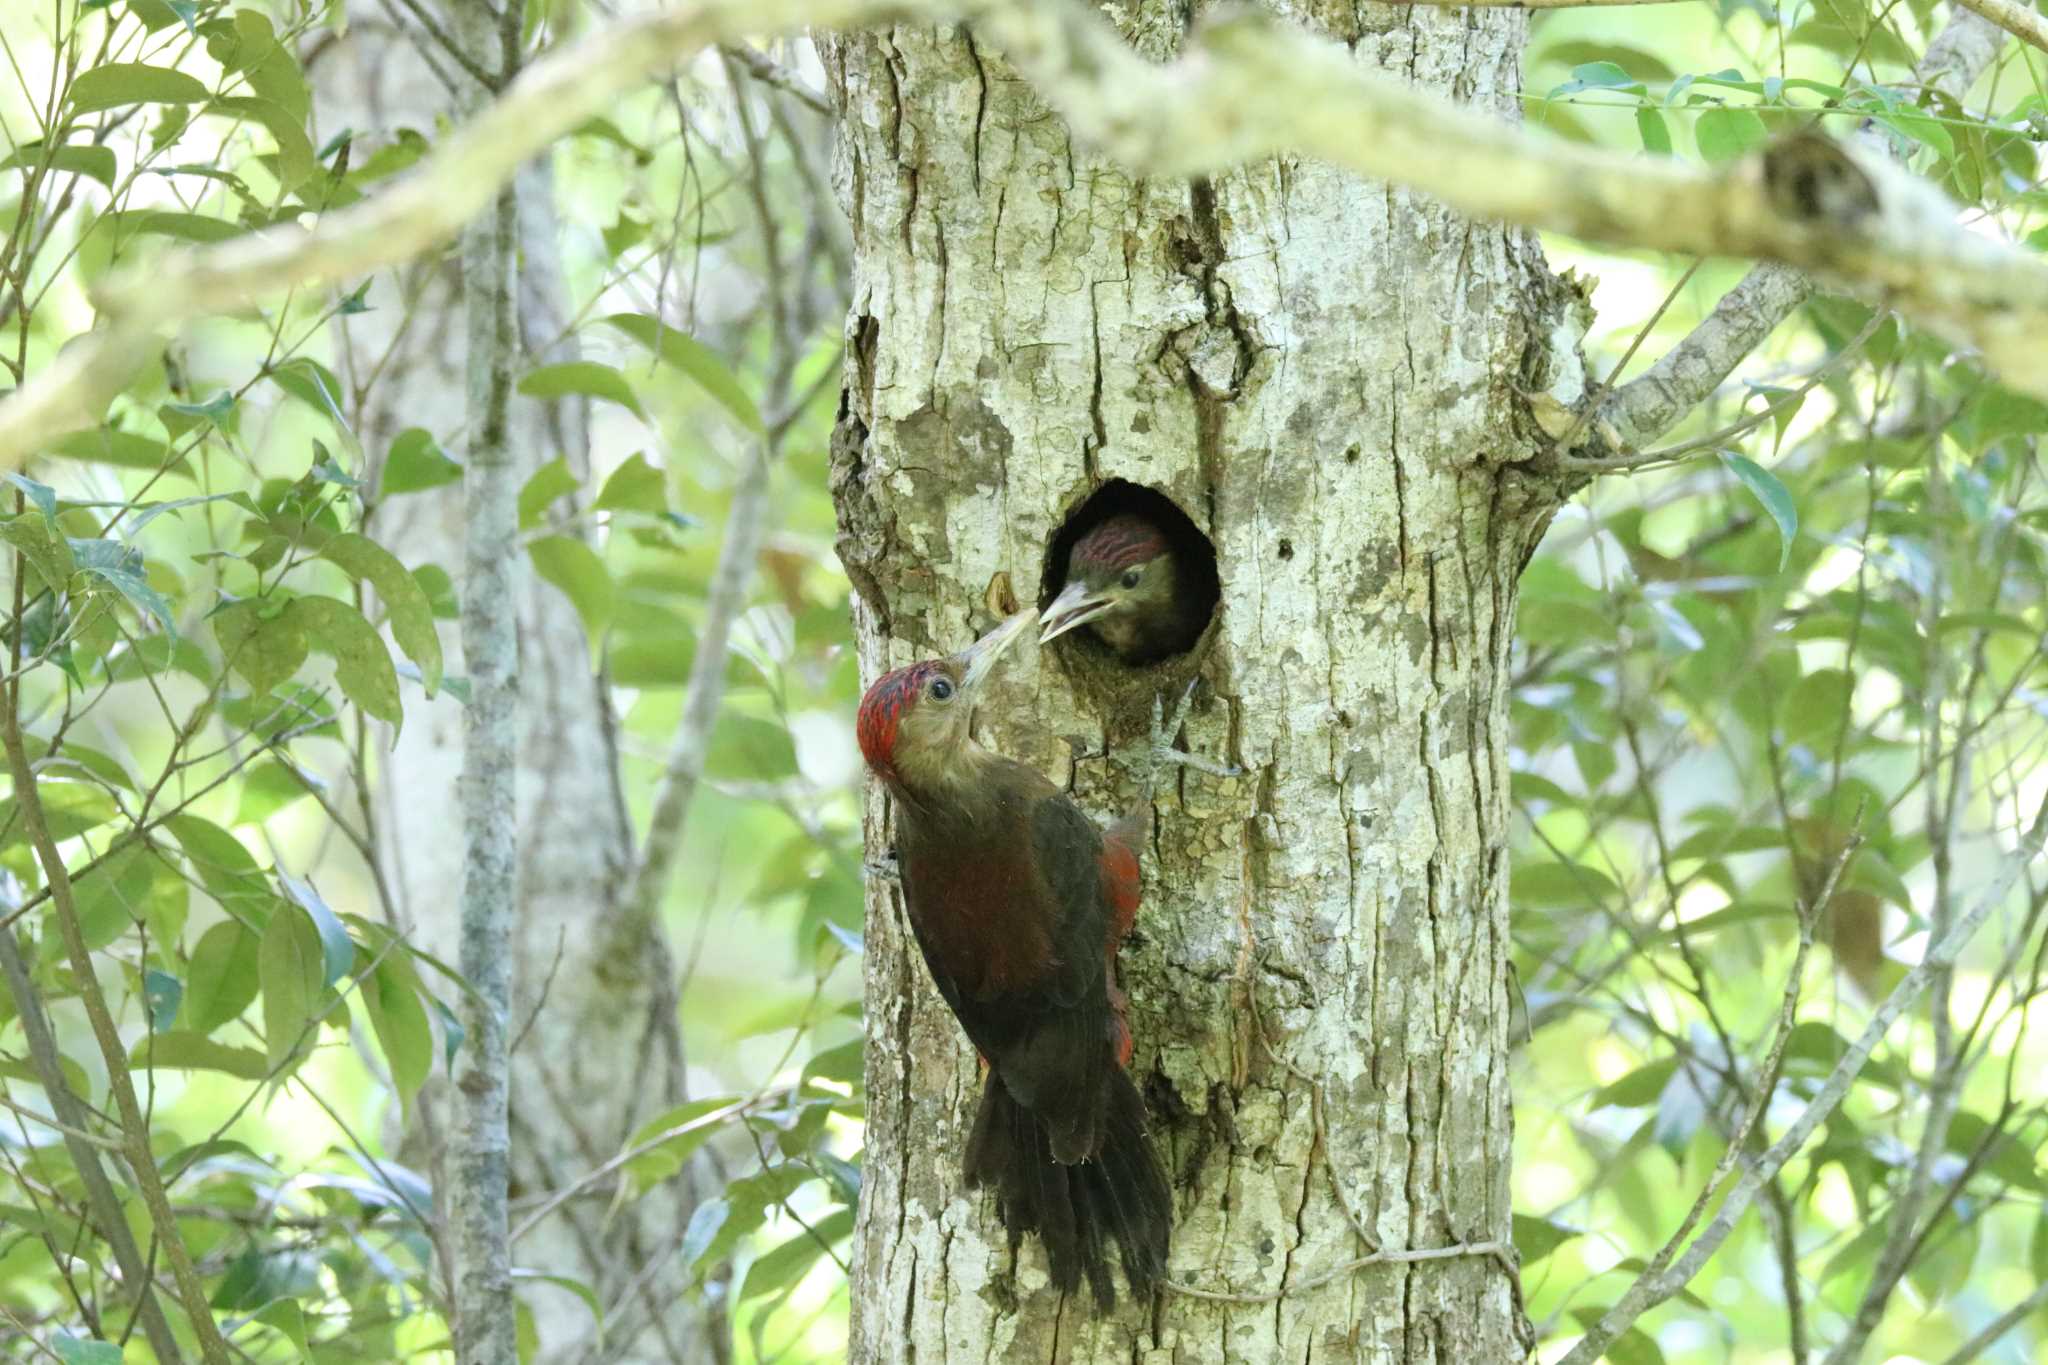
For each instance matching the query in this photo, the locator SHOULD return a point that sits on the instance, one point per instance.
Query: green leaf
(75, 158)
(1816, 710)
(750, 749)
(312, 385)
(1639, 1088)
(1784, 406)
(780, 1269)
(695, 360)
(1550, 884)
(46, 550)
(579, 572)
(1773, 496)
(69, 808)
(416, 463)
(392, 997)
(268, 787)
(295, 161)
(406, 606)
(122, 568)
(77, 758)
(288, 1318)
(177, 1051)
(119, 83)
(337, 950)
(111, 896)
(576, 1287)
(223, 866)
(41, 494)
(162, 993)
(581, 378)
(1724, 134)
(1656, 136)
(126, 224)
(1574, 53)
(104, 445)
(551, 481)
(1536, 1238)
(666, 1158)
(78, 1351)
(261, 642)
(288, 967)
(362, 665)
(635, 486)
(1601, 75)
(440, 591)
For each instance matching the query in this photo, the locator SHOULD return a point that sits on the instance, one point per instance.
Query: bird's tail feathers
(1119, 1194)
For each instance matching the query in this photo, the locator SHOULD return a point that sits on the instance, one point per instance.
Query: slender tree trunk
(1323, 374)
(596, 1048)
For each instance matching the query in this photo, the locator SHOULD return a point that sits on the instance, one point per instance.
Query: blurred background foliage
(1779, 715)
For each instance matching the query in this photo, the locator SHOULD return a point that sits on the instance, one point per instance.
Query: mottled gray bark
(479, 1158)
(593, 1019)
(1323, 373)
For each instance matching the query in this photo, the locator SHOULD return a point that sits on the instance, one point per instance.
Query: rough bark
(595, 999)
(1324, 374)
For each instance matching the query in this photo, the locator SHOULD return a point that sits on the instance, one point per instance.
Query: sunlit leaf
(1774, 498)
(113, 84)
(416, 463)
(407, 610)
(178, 1051)
(581, 378)
(579, 572)
(692, 358)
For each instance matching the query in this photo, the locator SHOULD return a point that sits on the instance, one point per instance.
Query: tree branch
(480, 1157)
(1659, 1284)
(727, 596)
(1688, 374)
(1246, 87)
(100, 1197)
(134, 1127)
(2021, 22)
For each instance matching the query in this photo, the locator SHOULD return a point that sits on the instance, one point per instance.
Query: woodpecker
(1125, 583)
(1019, 903)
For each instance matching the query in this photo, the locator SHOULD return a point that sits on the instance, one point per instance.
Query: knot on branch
(1811, 180)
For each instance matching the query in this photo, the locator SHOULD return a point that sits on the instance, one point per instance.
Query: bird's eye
(1131, 577)
(941, 689)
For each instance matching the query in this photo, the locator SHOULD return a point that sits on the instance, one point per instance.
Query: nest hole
(1194, 557)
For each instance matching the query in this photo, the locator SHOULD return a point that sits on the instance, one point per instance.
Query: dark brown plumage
(1019, 903)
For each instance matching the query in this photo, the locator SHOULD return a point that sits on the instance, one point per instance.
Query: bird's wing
(1059, 1062)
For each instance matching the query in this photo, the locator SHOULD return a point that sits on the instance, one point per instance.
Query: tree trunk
(594, 996)
(1323, 374)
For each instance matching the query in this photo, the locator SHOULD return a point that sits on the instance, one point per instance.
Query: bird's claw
(884, 869)
(1166, 728)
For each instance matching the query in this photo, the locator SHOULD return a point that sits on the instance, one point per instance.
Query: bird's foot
(884, 869)
(1166, 728)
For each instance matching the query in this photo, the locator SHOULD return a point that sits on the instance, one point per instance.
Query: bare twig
(134, 1128)
(768, 71)
(83, 1147)
(1657, 1285)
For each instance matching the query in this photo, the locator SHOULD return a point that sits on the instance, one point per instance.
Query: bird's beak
(980, 657)
(1075, 606)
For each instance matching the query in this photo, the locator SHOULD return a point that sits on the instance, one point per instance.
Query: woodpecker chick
(1125, 583)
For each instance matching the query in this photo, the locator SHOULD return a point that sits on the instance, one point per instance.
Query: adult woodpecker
(1125, 583)
(1019, 904)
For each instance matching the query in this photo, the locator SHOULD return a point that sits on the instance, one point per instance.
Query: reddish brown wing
(1120, 897)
